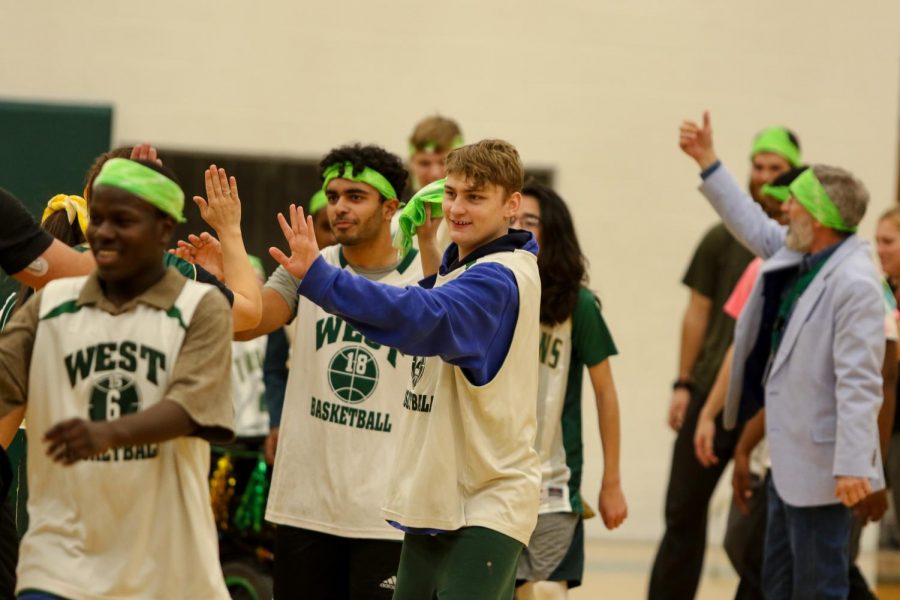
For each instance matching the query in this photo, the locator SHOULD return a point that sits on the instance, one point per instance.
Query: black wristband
(683, 384)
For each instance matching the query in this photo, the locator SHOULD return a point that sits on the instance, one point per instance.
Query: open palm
(301, 239)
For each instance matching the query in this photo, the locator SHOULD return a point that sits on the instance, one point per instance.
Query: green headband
(317, 202)
(367, 175)
(811, 194)
(413, 214)
(779, 192)
(145, 183)
(433, 146)
(778, 141)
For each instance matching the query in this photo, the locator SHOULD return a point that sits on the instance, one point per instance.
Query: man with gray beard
(808, 346)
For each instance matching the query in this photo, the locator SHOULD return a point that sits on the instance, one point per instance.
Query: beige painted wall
(593, 89)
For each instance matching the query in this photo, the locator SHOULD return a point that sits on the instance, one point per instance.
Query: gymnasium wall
(594, 90)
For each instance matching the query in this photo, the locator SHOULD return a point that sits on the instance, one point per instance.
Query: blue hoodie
(468, 322)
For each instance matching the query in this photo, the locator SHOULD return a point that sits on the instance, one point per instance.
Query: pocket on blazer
(824, 430)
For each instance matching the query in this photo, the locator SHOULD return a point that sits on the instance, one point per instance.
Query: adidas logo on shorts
(389, 584)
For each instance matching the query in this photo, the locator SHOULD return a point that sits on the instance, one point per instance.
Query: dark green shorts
(472, 562)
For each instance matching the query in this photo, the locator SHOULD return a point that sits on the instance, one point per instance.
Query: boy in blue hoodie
(465, 484)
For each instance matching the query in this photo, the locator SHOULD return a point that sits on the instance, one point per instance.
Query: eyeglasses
(526, 221)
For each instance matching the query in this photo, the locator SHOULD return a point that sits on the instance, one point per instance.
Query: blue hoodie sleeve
(469, 322)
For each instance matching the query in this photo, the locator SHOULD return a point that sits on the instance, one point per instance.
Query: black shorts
(310, 564)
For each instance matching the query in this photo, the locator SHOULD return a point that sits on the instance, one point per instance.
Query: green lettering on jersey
(327, 328)
(78, 364)
(155, 359)
(550, 346)
(351, 335)
(113, 356)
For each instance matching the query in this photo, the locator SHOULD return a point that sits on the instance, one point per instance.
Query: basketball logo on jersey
(353, 374)
(418, 367)
(114, 396)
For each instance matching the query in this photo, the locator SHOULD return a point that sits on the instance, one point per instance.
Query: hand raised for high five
(222, 208)
(697, 142)
(204, 250)
(301, 239)
(145, 152)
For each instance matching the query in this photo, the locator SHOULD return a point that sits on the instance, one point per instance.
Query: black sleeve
(275, 374)
(204, 276)
(21, 238)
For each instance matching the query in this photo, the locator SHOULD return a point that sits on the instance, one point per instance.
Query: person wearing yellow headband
(808, 347)
(124, 372)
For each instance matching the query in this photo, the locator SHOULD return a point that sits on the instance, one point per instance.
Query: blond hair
(435, 134)
(489, 161)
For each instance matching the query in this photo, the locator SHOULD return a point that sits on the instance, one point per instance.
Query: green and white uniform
(466, 457)
(583, 340)
(251, 418)
(135, 521)
(339, 429)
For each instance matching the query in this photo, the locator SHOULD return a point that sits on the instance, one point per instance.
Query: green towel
(412, 216)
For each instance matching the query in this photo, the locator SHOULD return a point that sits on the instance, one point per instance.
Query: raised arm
(459, 321)
(741, 214)
(222, 211)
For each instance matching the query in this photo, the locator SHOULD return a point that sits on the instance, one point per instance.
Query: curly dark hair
(562, 265)
(374, 157)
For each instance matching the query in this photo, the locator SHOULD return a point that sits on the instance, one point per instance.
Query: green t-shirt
(715, 269)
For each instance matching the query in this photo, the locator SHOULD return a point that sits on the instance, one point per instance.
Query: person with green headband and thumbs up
(706, 332)
(124, 376)
(809, 347)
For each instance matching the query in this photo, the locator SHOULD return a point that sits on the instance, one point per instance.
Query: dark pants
(310, 564)
(807, 553)
(9, 552)
(472, 562)
(744, 539)
(679, 560)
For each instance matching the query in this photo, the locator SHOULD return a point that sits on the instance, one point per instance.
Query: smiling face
(127, 237)
(887, 244)
(477, 215)
(356, 211)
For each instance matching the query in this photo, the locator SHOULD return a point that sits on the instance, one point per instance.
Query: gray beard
(800, 236)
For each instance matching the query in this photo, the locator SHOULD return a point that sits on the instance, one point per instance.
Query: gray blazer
(824, 387)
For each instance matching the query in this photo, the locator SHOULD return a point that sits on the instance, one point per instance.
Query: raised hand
(204, 250)
(301, 239)
(222, 208)
(697, 142)
(145, 152)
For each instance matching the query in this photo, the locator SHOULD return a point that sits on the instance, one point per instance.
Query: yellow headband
(75, 207)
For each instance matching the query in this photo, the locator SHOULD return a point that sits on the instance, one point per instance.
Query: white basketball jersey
(466, 457)
(251, 418)
(338, 435)
(135, 521)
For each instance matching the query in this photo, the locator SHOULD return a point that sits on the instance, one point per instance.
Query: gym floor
(620, 570)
